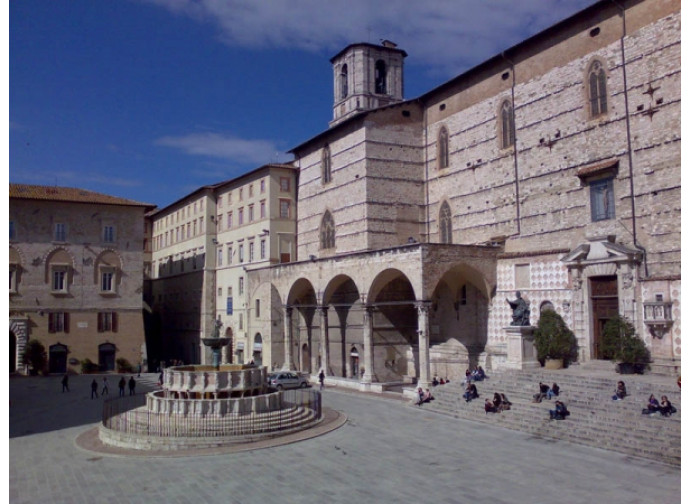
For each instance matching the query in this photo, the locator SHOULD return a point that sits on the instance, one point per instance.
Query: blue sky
(150, 99)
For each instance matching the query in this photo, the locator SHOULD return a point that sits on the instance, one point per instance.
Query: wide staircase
(595, 419)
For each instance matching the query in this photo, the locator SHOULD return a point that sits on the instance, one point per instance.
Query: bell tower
(365, 77)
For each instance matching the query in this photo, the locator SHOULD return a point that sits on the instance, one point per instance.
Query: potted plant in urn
(555, 343)
(621, 343)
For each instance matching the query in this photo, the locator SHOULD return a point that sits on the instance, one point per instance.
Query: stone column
(368, 336)
(423, 332)
(325, 353)
(287, 363)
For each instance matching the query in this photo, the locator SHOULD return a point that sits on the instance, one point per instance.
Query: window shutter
(51, 323)
(114, 321)
(100, 322)
(66, 322)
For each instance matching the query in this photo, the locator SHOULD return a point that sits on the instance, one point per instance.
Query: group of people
(105, 391)
(424, 396)
(476, 374)
(439, 381)
(546, 392)
(663, 407)
(499, 403)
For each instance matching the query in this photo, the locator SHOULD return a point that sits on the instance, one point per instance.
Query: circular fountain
(203, 406)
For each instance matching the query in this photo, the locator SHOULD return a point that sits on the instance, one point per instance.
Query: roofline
(213, 187)
(368, 44)
(514, 51)
(124, 202)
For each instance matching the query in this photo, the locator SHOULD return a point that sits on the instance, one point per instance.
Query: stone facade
(562, 168)
(76, 276)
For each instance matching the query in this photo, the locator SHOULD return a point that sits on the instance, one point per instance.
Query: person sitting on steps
(665, 406)
(498, 402)
(560, 412)
(543, 391)
(621, 392)
(652, 406)
(553, 391)
(470, 392)
(489, 407)
(505, 403)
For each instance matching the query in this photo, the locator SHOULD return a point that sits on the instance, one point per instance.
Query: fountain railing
(278, 411)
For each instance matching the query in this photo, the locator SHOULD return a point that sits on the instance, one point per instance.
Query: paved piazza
(387, 451)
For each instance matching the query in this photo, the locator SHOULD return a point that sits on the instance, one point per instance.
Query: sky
(152, 99)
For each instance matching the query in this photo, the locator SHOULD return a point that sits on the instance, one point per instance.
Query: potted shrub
(123, 365)
(88, 367)
(35, 356)
(621, 343)
(555, 343)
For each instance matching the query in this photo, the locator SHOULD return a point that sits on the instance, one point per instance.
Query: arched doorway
(258, 350)
(13, 353)
(57, 358)
(106, 357)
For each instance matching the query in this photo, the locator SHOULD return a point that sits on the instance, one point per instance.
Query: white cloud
(228, 147)
(447, 35)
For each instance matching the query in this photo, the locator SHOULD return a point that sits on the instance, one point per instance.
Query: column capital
(422, 306)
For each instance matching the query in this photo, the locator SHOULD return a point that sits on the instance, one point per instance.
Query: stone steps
(595, 419)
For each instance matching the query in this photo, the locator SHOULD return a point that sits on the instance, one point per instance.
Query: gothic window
(326, 165)
(601, 199)
(380, 77)
(445, 224)
(343, 82)
(443, 148)
(596, 81)
(327, 231)
(507, 125)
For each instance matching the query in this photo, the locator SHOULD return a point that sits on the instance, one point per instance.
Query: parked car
(286, 379)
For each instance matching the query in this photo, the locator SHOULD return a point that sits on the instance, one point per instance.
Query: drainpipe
(629, 141)
(515, 150)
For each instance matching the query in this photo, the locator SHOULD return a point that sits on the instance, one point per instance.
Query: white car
(286, 379)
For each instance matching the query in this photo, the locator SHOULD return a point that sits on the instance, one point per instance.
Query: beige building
(203, 246)
(76, 276)
(552, 168)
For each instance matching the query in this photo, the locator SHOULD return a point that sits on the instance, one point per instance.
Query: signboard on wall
(228, 308)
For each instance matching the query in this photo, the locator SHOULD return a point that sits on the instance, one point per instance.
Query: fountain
(202, 406)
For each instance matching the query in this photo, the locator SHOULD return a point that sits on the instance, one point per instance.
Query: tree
(553, 339)
(35, 356)
(621, 343)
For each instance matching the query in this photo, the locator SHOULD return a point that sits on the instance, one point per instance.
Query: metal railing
(125, 414)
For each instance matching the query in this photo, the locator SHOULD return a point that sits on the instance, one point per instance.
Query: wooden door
(604, 294)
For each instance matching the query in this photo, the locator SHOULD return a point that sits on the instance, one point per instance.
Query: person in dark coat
(132, 384)
(65, 383)
(94, 389)
(121, 385)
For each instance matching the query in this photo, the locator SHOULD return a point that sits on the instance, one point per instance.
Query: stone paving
(387, 451)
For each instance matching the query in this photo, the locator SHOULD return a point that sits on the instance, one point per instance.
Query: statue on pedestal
(520, 311)
(216, 329)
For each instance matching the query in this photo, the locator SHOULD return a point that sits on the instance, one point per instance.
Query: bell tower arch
(366, 76)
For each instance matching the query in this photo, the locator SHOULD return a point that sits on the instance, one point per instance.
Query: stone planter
(553, 364)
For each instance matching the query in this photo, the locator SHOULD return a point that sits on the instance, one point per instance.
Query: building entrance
(604, 296)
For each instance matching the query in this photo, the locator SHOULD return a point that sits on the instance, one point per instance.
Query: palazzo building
(76, 276)
(552, 168)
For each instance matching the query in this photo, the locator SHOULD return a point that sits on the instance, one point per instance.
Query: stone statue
(216, 329)
(520, 311)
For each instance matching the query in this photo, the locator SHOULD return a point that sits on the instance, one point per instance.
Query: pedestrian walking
(139, 371)
(65, 383)
(104, 391)
(94, 389)
(121, 385)
(322, 377)
(132, 384)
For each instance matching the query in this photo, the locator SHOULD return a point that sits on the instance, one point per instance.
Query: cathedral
(552, 169)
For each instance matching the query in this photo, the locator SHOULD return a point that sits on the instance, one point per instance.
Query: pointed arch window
(343, 82)
(326, 165)
(445, 223)
(596, 80)
(380, 77)
(443, 148)
(327, 231)
(507, 125)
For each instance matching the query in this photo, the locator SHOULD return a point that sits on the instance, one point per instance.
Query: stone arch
(459, 318)
(342, 300)
(303, 303)
(58, 256)
(108, 258)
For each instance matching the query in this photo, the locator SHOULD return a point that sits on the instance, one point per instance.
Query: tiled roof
(72, 194)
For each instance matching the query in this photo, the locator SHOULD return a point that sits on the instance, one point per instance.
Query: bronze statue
(520, 311)
(216, 328)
